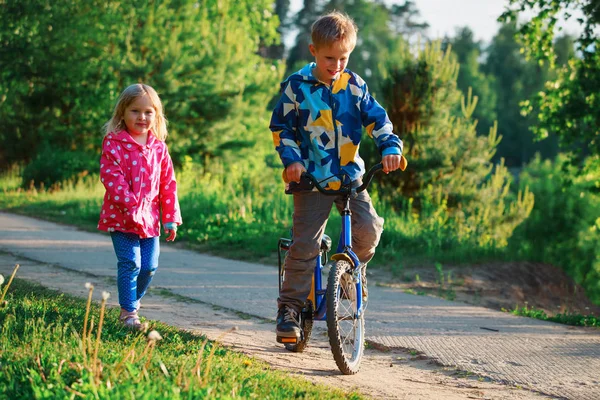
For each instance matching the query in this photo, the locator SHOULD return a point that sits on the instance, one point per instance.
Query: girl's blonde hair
(129, 95)
(334, 27)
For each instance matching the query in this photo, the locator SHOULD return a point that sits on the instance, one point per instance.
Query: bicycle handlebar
(344, 190)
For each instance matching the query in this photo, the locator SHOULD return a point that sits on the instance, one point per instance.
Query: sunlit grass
(241, 211)
(566, 319)
(43, 356)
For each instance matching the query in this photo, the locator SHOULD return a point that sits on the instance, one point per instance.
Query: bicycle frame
(343, 252)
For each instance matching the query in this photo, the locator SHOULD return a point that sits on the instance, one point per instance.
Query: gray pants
(311, 211)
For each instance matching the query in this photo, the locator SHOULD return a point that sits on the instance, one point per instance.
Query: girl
(137, 172)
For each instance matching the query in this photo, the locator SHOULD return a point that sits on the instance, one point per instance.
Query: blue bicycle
(341, 302)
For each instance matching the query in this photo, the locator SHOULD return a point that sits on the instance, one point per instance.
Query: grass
(235, 214)
(565, 319)
(44, 354)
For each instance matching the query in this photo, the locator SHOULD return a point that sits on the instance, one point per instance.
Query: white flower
(105, 295)
(154, 335)
(1, 280)
(89, 286)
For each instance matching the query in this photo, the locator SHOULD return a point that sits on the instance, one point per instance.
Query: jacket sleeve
(378, 125)
(112, 176)
(284, 123)
(169, 203)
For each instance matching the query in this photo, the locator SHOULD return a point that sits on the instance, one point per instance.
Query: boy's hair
(129, 95)
(333, 27)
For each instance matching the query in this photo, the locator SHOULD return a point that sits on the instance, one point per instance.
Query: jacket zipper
(335, 130)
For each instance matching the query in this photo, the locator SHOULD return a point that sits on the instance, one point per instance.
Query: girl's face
(140, 116)
(330, 60)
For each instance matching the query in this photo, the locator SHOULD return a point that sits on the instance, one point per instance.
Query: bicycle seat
(326, 243)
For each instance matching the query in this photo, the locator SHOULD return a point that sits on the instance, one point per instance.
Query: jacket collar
(305, 75)
(130, 144)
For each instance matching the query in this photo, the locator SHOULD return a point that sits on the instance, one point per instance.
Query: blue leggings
(137, 263)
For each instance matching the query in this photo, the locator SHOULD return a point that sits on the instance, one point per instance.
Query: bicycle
(339, 303)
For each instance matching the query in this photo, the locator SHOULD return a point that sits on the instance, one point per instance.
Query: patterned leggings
(137, 263)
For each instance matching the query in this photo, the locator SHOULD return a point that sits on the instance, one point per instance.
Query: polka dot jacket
(140, 183)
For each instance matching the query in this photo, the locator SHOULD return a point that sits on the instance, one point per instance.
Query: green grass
(42, 356)
(565, 319)
(239, 215)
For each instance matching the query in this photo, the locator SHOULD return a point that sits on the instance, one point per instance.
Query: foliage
(50, 167)
(564, 228)
(468, 51)
(566, 319)
(450, 166)
(42, 357)
(569, 105)
(200, 56)
(517, 80)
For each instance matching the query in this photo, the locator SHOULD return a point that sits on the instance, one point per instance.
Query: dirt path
(479, 347)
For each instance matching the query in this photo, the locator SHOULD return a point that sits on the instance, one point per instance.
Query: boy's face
(139, 116)
(331, 60)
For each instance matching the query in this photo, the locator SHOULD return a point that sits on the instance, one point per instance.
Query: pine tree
(450, 168)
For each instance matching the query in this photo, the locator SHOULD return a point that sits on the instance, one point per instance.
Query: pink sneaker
(131, 320)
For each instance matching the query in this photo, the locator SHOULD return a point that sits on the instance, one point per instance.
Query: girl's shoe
(131, 320)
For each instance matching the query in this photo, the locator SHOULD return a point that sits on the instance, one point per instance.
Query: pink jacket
(140, 183)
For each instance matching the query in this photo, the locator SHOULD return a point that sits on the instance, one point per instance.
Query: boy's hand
(391, 162)
(294, 171)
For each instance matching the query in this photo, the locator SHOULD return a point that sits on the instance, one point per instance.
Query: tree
(201, 57)
(450, 168)
(569, 104)
(516, 80)
(468, 52)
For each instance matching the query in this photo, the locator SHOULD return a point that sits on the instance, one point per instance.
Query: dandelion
(8, 285)
(153, 337)
(105, 296)
(90, 289)
(1, 279)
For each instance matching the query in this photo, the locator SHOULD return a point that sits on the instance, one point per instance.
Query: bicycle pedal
(288, 340)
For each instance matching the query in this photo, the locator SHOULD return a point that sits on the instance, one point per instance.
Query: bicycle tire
(345, 329)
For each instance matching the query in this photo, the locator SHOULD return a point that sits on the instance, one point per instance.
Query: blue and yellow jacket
(321, 126)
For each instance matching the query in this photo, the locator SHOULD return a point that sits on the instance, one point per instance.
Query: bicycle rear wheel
(345, 329)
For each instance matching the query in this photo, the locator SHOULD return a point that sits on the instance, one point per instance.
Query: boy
(317, 127)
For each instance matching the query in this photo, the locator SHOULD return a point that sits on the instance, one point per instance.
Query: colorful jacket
(140, 183)
(321, 126)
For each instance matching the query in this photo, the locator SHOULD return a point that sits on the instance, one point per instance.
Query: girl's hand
(171, 231)
(171, 234)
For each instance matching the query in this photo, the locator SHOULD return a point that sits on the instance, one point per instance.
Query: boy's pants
(137, 263)
(311, 211)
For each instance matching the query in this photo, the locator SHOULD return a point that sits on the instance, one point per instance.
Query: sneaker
(288, 322)
(131, 320)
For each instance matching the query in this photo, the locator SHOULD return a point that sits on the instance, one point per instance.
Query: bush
(564, 228)
(51, 167)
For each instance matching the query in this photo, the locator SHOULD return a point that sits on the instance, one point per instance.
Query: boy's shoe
(288, 323)
(131, 320)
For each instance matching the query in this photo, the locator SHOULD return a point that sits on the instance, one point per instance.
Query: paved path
(560, 361)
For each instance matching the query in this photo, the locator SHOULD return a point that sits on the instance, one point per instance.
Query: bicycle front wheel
(345, 328)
